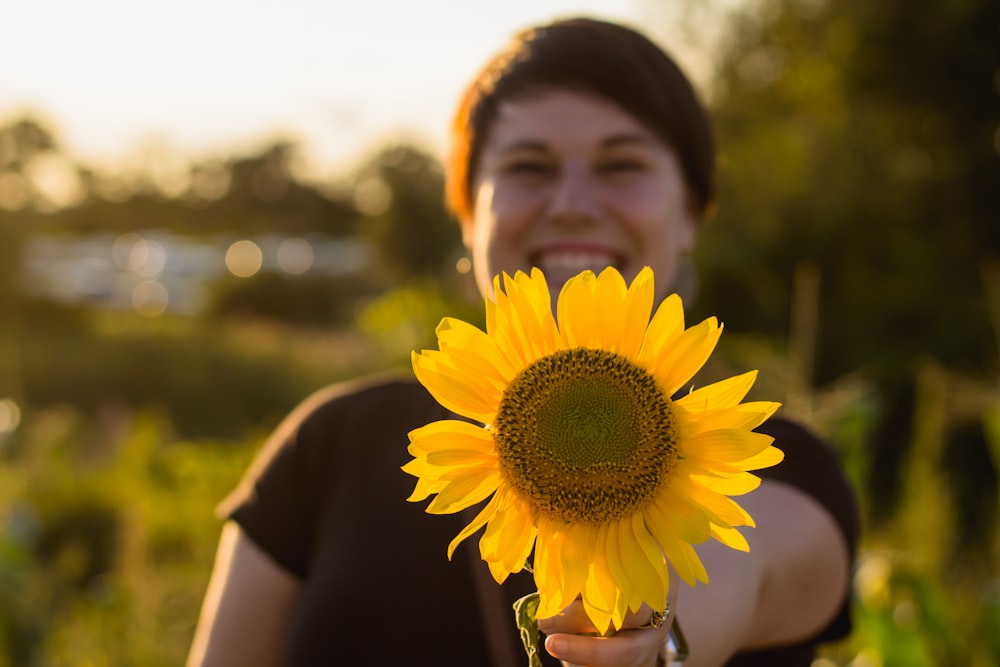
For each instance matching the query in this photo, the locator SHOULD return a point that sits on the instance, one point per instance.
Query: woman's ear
(468, 233)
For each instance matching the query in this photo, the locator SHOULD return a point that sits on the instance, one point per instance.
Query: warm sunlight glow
(244, 258)
(14, 193)
(10, 415)
(55, 180)
(150, 298)
(121, 249)
(372, 196)
(295, 256)
(147, 258)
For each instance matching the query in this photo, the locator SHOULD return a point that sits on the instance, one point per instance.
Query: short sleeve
(287, 490)
(278, 502)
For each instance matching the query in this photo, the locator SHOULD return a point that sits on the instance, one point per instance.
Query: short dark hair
(607, 59)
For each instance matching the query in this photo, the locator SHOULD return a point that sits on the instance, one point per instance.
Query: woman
(578, 147)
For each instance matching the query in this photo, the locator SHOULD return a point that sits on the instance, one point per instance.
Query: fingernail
(555, 645)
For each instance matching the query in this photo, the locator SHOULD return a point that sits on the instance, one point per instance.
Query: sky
(210, 78)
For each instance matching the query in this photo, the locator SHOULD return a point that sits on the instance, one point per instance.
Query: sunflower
(570, 428)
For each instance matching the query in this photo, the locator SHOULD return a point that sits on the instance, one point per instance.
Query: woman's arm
(786, 588)
(244, 617)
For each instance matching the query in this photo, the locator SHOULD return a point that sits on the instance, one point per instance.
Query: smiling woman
(580, 146)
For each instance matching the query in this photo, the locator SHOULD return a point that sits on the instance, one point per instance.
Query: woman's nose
(573, 196)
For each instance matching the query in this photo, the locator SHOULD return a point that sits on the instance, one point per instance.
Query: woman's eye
(529, 167)
(622, 166)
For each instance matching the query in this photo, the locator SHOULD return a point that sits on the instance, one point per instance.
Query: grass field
(132, 431)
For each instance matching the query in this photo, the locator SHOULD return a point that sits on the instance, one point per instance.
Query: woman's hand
(632, 646)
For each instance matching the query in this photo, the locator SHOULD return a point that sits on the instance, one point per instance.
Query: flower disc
(585, 435)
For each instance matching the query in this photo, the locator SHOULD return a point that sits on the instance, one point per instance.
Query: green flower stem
(526, 616)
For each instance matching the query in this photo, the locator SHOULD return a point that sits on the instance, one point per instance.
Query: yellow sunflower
(589, 459)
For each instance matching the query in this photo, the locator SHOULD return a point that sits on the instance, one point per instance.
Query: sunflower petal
(678, 362)
(548, 568)
(465, 491)
(610, 293)
(744, 417)
(721, 509)
(730, 485)
(424, 488)
(484, 515)
(649, 567)
(616, 555)
(454, 334)
(681, 554)
(635, 314)
(460, 392)
(666, 325)
(769, 457)
(577, 550)
(723, 394)
(508, 538)
(601, 597)
(534, 323)
(731, 537)
(447, 434)
(576, 314)
(725, 448)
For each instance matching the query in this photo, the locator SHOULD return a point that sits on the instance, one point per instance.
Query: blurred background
(208, 210)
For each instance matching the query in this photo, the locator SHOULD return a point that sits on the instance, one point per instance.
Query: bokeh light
(150, 298)
(244, 258)
(121, 249)
(14, 192)
(295, 256)
(372, 196)
(10, 415)
(55, 179)
(147, 258)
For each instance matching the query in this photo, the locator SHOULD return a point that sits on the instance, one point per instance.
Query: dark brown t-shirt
(327, 500)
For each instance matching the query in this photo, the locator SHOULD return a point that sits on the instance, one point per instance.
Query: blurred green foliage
(307, 300)
(107, 533)
(860, 146)
(853, 258)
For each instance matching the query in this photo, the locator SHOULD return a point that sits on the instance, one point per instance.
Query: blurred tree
(22, 140)
(262, 192)
(35, 174)
(861, 138)
(259, 193)
(321, 301)
(400, 189)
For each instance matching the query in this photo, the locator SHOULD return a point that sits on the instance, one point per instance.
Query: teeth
(561, 266)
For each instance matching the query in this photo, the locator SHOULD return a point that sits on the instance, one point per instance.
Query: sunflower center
(585, 435)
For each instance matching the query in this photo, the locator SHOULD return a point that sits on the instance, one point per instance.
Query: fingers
(571, 619)
(628, 648)
(573, 638)
(574, 619)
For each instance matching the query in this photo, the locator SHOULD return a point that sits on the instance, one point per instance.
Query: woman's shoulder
(813, 466)
(388, 397)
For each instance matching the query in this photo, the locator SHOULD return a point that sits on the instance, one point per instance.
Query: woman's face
(569, 181)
